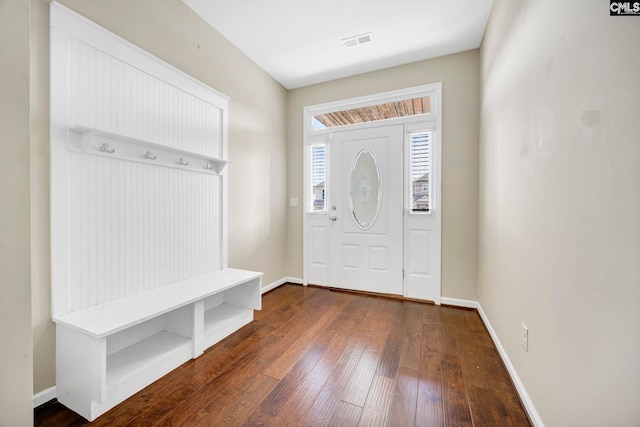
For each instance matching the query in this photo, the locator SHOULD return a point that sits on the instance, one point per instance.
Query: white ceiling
(299, 42)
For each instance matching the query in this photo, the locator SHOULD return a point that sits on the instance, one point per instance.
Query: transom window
(372, 113)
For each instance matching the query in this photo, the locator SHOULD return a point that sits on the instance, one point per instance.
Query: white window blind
(318, 177)
(420, 171)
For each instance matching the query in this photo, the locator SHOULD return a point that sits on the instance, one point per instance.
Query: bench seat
(106, 319)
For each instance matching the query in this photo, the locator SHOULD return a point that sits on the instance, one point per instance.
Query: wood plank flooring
(315, 357)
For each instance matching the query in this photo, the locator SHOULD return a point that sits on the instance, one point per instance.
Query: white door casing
(325, 260)
(370, 258)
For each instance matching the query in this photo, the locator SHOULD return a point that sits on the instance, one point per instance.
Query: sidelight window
(317, 178)
(420, 171)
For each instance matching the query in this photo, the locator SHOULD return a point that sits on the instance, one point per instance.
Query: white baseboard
(295, 280)
(459, 302)
(524, 396)
(281, 282)
(44, 396)
(522, 392)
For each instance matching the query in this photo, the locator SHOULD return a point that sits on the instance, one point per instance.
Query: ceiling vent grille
(357, 40)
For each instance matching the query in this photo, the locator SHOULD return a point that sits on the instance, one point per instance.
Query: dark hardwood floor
(316, 357)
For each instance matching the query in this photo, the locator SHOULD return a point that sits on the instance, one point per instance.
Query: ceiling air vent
(357, 40)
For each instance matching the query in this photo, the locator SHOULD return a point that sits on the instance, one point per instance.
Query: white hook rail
(89, 140)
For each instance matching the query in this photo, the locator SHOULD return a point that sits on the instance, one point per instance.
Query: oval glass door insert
(364, 197)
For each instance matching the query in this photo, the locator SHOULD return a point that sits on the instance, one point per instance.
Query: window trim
(432, 125)
(425, 128)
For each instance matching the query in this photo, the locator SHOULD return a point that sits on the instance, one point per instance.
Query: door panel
(319, 239)
(418, 253)
(366, 221)
(423, 257)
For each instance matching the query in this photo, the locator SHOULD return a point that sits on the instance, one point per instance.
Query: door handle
(333, 218)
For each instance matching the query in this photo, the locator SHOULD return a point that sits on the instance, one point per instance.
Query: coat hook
(106, 149)
(209, 166)
(149, 155)
(183, 162)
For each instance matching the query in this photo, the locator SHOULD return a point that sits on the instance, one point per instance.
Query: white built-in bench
(108, 352)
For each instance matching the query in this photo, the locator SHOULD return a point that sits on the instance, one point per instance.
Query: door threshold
(372, 294)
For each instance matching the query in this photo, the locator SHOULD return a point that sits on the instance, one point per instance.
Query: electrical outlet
(525, 337)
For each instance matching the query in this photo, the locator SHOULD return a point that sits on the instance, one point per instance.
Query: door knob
(333, 217)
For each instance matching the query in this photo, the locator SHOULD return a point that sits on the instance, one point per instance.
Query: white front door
(365, 210)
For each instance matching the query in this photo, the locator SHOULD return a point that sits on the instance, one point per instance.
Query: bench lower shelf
(223, 320)
(134, 367)
(159, 349)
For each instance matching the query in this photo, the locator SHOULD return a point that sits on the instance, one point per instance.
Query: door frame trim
(432, 120)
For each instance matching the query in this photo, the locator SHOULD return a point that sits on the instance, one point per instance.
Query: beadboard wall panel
(138, 227)
(111, 95)
(121, 226)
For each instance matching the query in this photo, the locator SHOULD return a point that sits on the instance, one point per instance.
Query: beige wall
(559, 217)
(460, 79)
(44, 336)
(257, 132)
(16, 364)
